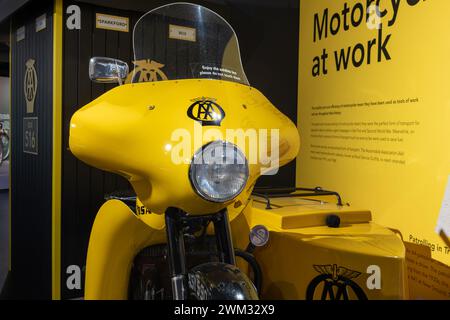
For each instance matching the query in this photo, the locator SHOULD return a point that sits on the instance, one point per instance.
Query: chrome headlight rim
(192, 179)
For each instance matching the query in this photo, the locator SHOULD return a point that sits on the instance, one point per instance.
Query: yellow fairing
(135, 130)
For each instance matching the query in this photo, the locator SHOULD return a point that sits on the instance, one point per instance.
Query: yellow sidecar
(308, 259)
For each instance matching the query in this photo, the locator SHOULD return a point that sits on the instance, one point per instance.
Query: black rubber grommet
(333, 221)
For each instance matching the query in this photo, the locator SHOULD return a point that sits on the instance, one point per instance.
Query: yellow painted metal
(56, 157)
(57, 141)
(291, 213)
(135, 130)
(132, 131)
(117, 236)
(295, 247)
(155, 221)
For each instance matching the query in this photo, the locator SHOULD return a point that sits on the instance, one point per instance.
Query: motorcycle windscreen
(185, 41)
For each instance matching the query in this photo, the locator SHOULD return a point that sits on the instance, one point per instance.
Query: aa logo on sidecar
(336, 284)
(206, 111)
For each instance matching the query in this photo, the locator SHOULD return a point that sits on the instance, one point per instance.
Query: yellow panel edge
(297, 164)
(56, 158)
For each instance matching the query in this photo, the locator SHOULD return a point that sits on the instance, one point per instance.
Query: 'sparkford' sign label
(108, 22)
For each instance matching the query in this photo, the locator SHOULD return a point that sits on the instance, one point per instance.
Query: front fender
(117, 236)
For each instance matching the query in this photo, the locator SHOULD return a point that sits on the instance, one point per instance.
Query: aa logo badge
(146, 71)
(30, 84)
(206, 111)
(334, 283)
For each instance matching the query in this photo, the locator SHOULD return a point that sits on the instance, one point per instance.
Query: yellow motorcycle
(192, 138)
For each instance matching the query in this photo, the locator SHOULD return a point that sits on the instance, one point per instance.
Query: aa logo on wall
(146, 71)
(30, 84)
(206, 111)
(334, 283)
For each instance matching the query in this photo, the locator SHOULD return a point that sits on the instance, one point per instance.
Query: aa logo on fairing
(336, 284)
(206, 111)
(146, 71)
(30, 84)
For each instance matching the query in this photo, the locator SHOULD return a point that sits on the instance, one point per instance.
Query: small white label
(41, 22)
(443, 223)
(182, 33)
(20, 34)
(108, 22)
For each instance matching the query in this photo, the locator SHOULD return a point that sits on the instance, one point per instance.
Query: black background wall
(31, 175)
(268, 35)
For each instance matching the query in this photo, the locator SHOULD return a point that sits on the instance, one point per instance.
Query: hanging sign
(114, 23)
(41, 22)
(20, 34)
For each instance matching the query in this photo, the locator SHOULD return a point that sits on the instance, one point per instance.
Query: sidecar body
(307, 259)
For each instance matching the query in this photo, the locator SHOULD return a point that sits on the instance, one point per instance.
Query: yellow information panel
(374, 110)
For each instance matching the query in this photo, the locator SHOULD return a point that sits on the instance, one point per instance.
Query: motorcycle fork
(177, 223)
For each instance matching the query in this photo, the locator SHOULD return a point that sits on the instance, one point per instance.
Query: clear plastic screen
(185, 41)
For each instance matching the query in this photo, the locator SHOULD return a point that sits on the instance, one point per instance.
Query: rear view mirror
(107, 70)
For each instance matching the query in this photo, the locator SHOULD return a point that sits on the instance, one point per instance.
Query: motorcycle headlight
(219, 171)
